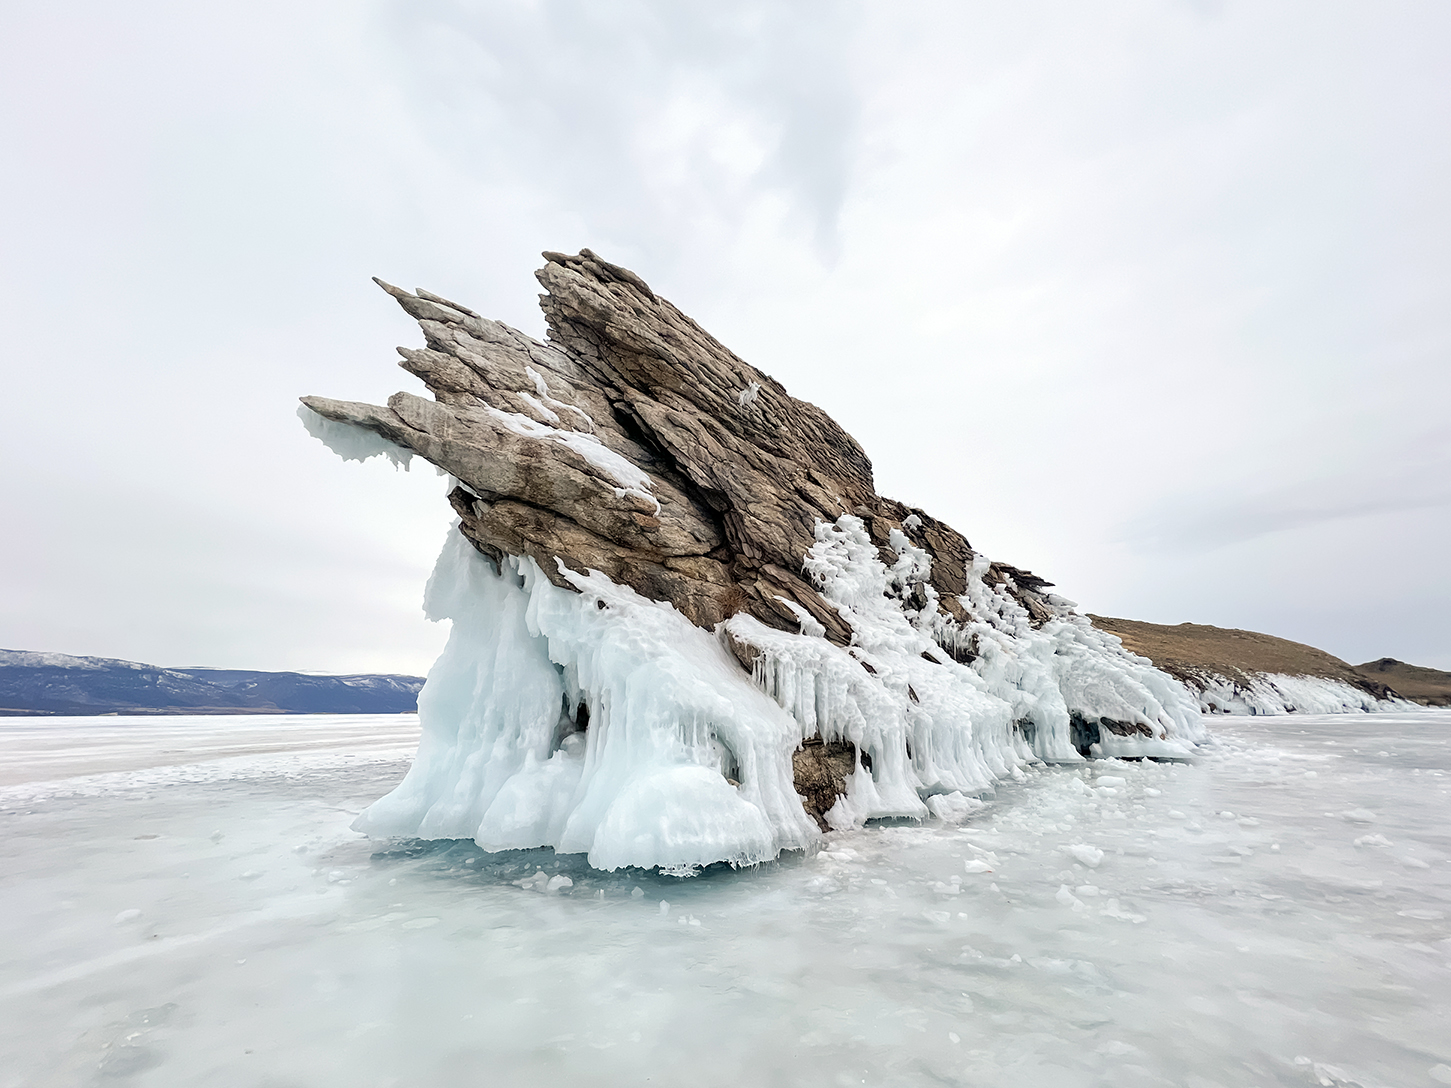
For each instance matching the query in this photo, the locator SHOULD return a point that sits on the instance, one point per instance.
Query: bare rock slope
(636, 444)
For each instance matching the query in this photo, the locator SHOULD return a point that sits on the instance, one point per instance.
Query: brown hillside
(1188, 650)
(1430, 687)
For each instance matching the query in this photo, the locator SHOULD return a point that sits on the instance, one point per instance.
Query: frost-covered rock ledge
(686, 628)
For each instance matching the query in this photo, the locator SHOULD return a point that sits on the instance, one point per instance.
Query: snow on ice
(1263, 939)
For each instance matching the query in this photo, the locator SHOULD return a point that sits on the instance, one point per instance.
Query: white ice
(218, 923)
(671, 717)
(686, 760)
(1275, 693)
(352, 443)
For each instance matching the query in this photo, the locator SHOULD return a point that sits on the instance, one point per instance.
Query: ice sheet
(41, 749)
(1273, 914)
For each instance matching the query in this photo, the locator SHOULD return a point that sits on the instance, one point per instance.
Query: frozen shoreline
(56, 753)
(229, 927)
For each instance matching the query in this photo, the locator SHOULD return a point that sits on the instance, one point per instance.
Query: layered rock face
(636, 444)
(686, 628)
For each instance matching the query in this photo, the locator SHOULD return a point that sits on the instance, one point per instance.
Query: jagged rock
(896, 663)
(549, 443)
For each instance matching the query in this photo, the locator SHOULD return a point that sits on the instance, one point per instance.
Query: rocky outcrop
(700, 634)
(636, 444)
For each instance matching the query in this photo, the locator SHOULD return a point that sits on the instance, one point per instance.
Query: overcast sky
(1151, 298)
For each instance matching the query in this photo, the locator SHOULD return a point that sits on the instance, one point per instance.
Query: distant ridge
(1431, 687)
(50, 684)
(1227, 667)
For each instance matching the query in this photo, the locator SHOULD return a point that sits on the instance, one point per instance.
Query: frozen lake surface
(200, 914)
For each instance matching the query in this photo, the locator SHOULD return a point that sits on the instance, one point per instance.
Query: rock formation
(816, 633)
(636, 444)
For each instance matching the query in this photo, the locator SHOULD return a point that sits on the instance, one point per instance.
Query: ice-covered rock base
(594, 720)
(1272, 693)
(687, 628)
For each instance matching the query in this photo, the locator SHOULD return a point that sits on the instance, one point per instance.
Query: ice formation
(1274, 693)
(352, 443)
(673, 602)
(601, 722)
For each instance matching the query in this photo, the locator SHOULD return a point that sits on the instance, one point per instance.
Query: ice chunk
(670, 715)
(1373, 840)
(351, 442)
(953, 807)
(1088, 855)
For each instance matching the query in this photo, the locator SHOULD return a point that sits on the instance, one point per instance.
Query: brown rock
(821, 771)
(742, 471)
(1429, 687)
(1195, 653)
(547, 442)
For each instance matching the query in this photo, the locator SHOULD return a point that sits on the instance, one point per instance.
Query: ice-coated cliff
(686, 629)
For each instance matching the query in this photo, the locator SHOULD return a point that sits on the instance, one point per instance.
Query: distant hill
(1245, 672)
(43, 683)
(1430, 687)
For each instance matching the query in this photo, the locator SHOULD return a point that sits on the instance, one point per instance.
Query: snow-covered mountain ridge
(680, 609)
(51, 683)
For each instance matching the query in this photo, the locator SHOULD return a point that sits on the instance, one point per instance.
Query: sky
(1153, 299)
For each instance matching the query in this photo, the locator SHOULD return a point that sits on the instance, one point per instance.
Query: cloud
(1145, 298)
(654, 118)
(1415, 476)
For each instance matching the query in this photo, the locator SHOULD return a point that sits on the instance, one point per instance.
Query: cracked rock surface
(634, 443)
